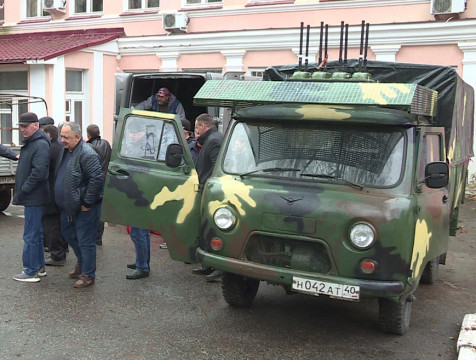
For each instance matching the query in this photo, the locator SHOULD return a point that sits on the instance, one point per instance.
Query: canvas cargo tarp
(455, 109)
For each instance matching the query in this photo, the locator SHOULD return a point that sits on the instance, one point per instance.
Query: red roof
(19, 48)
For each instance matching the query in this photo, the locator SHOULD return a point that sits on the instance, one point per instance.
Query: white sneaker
(41, 272)
(26, 278)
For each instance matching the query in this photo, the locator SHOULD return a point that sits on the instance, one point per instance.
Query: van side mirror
(174, 155)
(436, 174)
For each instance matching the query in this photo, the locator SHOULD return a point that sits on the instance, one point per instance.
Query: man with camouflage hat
(163, 101)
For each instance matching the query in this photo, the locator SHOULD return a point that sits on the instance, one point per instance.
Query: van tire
(430, 274)
(5, 198)
(393, 317)
(239, 291)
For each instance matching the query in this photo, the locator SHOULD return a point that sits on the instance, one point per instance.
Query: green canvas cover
(455, 107)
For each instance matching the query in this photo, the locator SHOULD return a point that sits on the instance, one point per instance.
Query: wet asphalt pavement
(176, 315)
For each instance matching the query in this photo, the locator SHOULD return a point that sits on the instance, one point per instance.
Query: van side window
(147, 138)
(431, 151)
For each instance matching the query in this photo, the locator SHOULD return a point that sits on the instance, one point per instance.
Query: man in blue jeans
(31, 191)
(78, 192)
(141, 240)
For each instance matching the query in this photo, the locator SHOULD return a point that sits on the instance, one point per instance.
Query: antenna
(340, 43)
(326, 56)
(361, 45)
(366, 45)
(320, 42)
(307, 48)
(346, 42)
(300, 46)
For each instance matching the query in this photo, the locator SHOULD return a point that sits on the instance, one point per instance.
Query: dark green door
(142, 191)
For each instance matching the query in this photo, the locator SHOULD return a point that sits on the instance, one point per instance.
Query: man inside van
(163, 101)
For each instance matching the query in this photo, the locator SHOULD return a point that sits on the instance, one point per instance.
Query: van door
(142, 191)
(432, 219)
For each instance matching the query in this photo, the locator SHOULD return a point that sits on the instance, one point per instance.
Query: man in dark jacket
(210, 140)
(103, 149)
(31, 191)
(163, 101)
(53, 238)
(78, 193)
(8, 153)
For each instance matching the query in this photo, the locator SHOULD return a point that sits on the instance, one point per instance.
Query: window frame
(39, 9)
(144, 6)
(89, 6)
(2, 11)
(202, 3)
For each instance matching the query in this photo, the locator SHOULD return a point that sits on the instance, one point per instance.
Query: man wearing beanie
(32, 191)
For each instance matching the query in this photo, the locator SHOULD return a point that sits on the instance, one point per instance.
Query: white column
(385, 52)
(58, 92)
(98, 91)
(169, 61)
(234, 60)
(469, 76)
(38, 88)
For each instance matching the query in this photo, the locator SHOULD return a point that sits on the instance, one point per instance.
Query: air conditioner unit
(53, 6)
(447, 6)
(175, 22)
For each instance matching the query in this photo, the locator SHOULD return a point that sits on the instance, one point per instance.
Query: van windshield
(362, 155)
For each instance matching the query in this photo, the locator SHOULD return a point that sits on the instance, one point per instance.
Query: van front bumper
(281, 276)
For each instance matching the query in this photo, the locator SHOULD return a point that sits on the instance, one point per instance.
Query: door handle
(445, 199)
(119, 173)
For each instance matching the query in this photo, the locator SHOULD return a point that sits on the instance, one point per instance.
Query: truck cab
(340, 189)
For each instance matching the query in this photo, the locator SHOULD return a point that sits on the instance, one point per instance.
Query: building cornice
(106, 20)
(409, 34)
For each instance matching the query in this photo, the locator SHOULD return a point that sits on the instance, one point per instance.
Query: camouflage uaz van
(347, 189)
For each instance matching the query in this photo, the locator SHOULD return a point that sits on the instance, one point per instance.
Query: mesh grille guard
(414, 98)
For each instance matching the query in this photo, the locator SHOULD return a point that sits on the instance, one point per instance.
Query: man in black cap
(53, 239)
(191, 141)
(102, 147)
(32, 191)
(46, 120)
(163, 101)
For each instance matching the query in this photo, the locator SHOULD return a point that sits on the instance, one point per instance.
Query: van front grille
(288, 253)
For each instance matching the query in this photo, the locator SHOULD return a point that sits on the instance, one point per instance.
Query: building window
(143, 4)
(34, 8)
(203, 70)
(2, 11)
(75, 98)
(87, 6)
(257, 72)
(11, 108)
(202, 2)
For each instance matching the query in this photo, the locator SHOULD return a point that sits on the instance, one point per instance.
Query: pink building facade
(75, 72)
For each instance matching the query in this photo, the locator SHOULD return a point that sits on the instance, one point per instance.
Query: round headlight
(224, 218)
(362, 235)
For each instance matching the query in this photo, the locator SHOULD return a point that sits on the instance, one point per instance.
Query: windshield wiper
(271, 169)
(325, 176)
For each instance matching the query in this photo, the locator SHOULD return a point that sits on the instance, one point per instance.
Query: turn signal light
(368, 266)
(216, 244)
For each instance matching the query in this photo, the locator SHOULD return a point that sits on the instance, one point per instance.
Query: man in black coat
(31, 191)
(8, 153)
(78, 190)
(210, 140)
(103, 149)
(51, 217)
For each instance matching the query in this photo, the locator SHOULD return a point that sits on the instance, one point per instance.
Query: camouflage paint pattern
(151, 195)
(411, 222)
(238, 94)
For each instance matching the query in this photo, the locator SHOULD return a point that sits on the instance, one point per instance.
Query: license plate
(314, 287)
